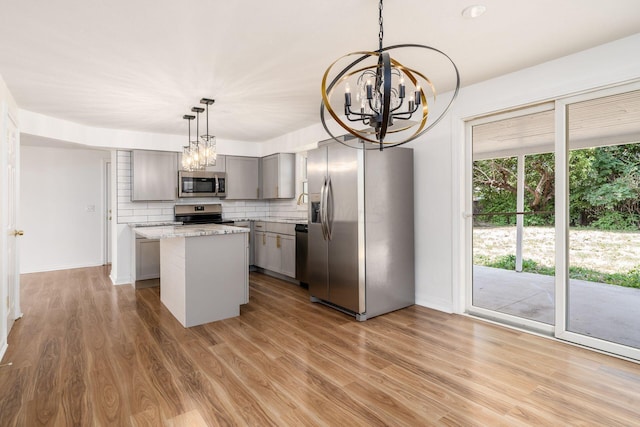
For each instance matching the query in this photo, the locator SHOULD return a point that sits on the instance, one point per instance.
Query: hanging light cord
(381, 32)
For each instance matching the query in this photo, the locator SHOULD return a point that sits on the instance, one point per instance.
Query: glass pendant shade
(201, 152)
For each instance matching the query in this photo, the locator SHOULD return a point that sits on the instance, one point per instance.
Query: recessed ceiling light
(474, 11)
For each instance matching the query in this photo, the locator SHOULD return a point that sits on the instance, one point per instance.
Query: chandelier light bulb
(347, 95)
(401, 88)
(369, 89)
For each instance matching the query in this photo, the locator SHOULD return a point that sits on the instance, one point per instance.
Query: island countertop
(194, 230)
(272, 219)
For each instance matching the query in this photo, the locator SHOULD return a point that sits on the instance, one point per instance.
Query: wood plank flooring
(87, 353)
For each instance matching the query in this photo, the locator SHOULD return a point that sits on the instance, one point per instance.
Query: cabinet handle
(278, 241)
(257, 193)
(264, 239)
(277, 191)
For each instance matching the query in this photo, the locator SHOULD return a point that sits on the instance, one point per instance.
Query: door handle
(328, 221)
(18, 233)
(322, 209)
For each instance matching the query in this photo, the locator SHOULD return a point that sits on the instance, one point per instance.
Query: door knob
(18, 233)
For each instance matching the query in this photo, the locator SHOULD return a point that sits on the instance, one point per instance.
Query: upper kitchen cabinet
(278, 176)
(220, 165)
(153, 175)
(243, 177)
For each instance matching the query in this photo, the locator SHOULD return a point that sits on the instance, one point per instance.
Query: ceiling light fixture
(208, 141)
(381, 96)
(200, 152)
(474, 11)
(187, 157)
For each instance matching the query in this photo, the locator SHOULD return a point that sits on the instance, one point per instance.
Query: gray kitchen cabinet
(147, 259)
(153, 175)
(220, 166)
(278, 176)
(275, 248)
(260, 249)
(243, 178)
(247, 224)
(288, 255)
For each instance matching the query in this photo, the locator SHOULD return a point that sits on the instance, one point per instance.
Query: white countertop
(153, 224)
(272, 219)
(194, 230)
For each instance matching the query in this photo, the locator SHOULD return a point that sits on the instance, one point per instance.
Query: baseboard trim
(117, 281)
(3, 350)
(60, 267)
(435, 304)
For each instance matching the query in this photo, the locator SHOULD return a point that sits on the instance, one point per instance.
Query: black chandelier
(382, 104)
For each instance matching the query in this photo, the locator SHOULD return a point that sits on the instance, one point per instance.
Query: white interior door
(108, 213)
(11, 279)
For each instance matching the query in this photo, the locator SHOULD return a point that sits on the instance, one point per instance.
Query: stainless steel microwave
(202, 184)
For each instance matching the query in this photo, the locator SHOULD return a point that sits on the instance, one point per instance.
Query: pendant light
(387, 95)
(200, 152)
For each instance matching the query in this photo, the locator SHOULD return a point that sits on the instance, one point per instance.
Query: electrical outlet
(90, 208)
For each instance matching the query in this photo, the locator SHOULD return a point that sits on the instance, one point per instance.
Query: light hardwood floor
(88, 353)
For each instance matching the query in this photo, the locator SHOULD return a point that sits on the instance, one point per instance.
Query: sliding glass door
(554, 228)
(513, 218)
(600, 290)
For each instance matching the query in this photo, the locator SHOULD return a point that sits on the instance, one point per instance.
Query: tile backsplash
(141, 212)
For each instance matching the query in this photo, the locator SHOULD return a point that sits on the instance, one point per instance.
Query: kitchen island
(203, 270)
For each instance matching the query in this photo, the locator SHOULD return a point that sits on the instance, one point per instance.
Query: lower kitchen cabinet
(247, 224)
(260, 249)
(273, 249)
(147, 259)
(288, 255)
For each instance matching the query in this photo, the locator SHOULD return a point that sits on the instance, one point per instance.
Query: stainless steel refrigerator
(361, 233)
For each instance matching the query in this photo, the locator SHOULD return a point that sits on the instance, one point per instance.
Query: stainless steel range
(210, 213)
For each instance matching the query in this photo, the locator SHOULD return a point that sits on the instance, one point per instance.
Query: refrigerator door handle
(328, 214)
(322, 209)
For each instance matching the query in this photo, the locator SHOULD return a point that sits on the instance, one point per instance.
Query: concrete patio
(598, 310)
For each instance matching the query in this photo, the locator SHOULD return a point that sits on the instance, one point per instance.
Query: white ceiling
(140, 65)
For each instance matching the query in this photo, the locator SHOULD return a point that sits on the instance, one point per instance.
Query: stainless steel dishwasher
(301, 254)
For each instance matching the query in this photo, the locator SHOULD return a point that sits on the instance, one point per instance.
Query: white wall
(62, 205)
(43, 126)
